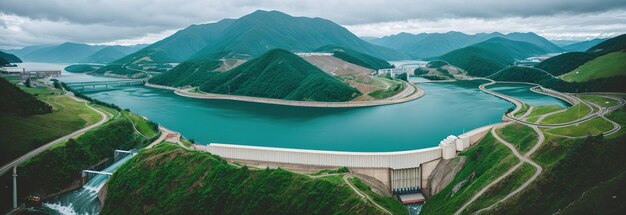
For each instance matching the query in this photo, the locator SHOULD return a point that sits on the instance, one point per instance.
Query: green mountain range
(355, 57)
(251, 36)
(280, 74)
(74, 53)
(428, 45)
(485, 58)
(193, 73)
(6, 58)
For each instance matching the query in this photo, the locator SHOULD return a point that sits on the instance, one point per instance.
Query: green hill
(280, 74)
(14, 100)
(488, 57)
(606, 66)
(564, 63)
(355, 57)
(251, 36)
(6, 58)
(74, 53)
(611, 45)
(193, 72)
(170, 180)
(521, 74)
(82, 68)
(105, 55)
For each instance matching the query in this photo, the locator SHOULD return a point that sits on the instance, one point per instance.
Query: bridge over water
(105, 84)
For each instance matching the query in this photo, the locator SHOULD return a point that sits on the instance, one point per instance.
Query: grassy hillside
(170, 180)
(283, 75)
(587, 180)
(82, 68)
(14, 100)
(565, 62)
(194, 73)
(488, 57)
(355, 57)
(614, 44)
(521, 74)
(609, 65)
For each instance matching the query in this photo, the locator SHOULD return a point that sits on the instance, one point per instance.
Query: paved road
(77, 133)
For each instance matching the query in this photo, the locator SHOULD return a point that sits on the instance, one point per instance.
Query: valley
(274, 113)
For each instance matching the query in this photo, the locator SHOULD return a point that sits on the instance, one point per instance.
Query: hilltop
(280, 74)
(485, 58)
(428, 45)
(189, 73)
(251, 36)
(6, 58)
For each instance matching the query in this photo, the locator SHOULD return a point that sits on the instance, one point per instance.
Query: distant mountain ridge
(6, 58)
(490, 56)
(252, 35)
(428, 45)
(583, 46)
(74, 53)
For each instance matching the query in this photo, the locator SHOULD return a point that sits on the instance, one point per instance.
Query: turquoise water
(523, 93)
(447, 108)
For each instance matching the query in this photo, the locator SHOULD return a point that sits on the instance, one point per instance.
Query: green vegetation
(193, 73)
(420, 71)
(541, 110)
(572, 113)
(395, 87)
(332, 171)
(606, 66)
(436, 64)
(388, 202)
(355, 57)
(283, 75)
(521, 136)
(599, 100)
(198, 182)
(16, 101)
(7, 59)
(486, 161)
(592, 127)
(588, 166)
(502, 188)
(485, 58)
(57, 167)
(82, 68)
(614, 44)
(522, 110)
(564, 63)
(520, 74)
(146, 128)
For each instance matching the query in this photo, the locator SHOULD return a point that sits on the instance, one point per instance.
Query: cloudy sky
(33, 22)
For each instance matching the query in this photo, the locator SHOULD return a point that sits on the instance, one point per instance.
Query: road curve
(42, 148)
(409, 94)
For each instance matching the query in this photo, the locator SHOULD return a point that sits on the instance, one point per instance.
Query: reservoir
(449, 108)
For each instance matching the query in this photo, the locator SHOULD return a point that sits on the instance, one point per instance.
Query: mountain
(606, 66)
(485, 58)
(6, 58)
(111, 53)
(582, 46)
(428, 45)
(193, 72)
(611, 45)
(564, 63)
(562, 43)
(253, 35)
(355, 57)
(74, 53)
(280, 74)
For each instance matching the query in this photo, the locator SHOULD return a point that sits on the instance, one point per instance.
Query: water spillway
(83, 200)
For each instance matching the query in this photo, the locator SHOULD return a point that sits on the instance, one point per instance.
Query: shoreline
(409, 94)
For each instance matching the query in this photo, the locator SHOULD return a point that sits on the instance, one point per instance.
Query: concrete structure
(106, 84)
(301, 54)
(402, 172)
(30, 74)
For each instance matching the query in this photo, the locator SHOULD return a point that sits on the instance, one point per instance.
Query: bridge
(24, 75)
(105, 84)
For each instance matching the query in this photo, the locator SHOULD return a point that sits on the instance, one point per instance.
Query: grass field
(605, 66)
(620, 118)
(486, 161)
(599, 100)
(523, 110)
(394, 88)
(503, 188)
(23, 134)
(573, 113)
(521, 136)
(141, 124)
(541, 110)
(592, 127)
(389, 203)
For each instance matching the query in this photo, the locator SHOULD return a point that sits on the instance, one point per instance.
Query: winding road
(42, 148)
